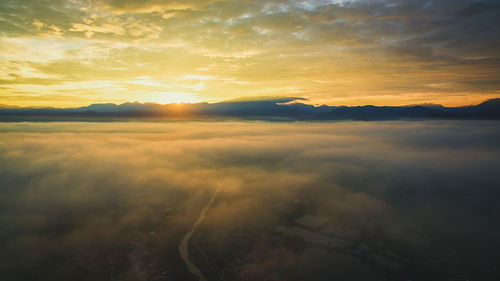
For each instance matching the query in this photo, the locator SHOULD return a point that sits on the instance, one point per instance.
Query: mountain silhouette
(288, 108)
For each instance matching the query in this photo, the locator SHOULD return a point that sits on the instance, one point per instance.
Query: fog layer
(91, 190)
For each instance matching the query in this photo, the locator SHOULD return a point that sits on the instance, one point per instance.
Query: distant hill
(491, 106)
(259, 109)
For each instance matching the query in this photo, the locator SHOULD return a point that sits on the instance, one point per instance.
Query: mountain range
(288, 108)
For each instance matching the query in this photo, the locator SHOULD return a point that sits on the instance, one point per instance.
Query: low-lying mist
(77, 200)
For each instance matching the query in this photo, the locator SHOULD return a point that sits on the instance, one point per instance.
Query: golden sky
(69, 53)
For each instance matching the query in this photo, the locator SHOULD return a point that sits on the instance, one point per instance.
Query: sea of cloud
(71, 186)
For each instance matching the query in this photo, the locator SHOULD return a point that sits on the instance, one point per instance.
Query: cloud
(368, 51)
(98, 24)
(147, 7)
(73, 188)
(137, 29)
(48, 30)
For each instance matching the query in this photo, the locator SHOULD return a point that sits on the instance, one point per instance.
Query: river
(183, 246)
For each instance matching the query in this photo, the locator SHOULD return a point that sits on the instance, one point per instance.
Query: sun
(172, 97)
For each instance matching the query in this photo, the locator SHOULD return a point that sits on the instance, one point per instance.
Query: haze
(111, 201)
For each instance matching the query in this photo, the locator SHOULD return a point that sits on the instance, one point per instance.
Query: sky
(70, 53)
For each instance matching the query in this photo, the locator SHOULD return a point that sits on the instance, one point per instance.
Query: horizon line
(278, 100)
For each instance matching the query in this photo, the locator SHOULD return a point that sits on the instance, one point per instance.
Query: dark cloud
(462, 28)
